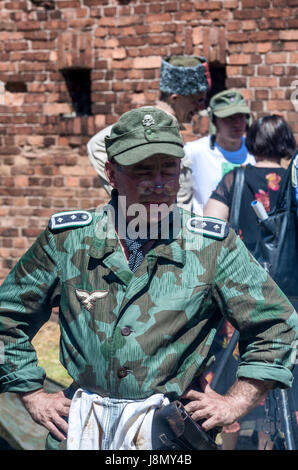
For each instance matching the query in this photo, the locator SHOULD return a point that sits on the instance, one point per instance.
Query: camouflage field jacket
(131, 335)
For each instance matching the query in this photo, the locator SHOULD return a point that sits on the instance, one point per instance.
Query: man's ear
(110, 168)
(173, 98)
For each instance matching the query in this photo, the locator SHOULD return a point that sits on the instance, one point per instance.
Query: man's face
(231, 127)
(186, 107)
(151, 182)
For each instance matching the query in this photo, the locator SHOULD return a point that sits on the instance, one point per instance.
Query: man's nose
(238, 119)
(158, 183)
(200, 104)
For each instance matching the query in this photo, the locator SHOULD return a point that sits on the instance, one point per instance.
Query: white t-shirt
(210, 165)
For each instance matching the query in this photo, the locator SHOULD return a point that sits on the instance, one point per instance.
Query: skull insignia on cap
(148, 120)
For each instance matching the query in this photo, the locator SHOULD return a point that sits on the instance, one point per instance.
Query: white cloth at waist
(102, 423)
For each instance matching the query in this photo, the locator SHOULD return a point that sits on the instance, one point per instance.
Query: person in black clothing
(271, 141)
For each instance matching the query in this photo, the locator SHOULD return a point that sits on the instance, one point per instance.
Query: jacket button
(122, 372)
(125, 331)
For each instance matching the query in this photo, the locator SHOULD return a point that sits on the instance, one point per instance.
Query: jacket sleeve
(258, 309)
(26, 300)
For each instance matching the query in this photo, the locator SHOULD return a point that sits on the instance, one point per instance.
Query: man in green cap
(139, 308)
(215, 155)
(184, 83)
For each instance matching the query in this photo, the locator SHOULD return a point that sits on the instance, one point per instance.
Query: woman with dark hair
(270, 140)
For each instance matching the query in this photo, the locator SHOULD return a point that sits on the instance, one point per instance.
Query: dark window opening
(218, 77)
(78, 84)
(16, 87)
(47, 4)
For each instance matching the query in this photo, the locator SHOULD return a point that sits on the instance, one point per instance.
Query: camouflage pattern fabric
(129, 335)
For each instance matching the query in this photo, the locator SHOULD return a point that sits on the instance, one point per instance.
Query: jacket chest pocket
(179, 298)
(100, 303)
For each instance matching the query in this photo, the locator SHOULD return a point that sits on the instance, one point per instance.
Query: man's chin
(189, 118)
(237, 134)
(153, 220)
(155, 212)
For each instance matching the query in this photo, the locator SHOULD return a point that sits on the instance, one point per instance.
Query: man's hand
(48, 410)
(222, 410)
(217, 410)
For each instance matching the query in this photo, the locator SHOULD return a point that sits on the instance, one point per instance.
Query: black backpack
(277, 245)
(277, 239)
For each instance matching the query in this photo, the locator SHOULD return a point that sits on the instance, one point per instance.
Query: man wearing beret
(141, 288)
(184, 83)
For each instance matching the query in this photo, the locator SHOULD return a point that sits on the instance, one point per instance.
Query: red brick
(164, 39)
(279, 70)
(263, 82)
(166, 17)
(264, 36)
(294, 58)
(129, 20)
(238, 37)
(276, 58)
(237, 82)
(248, 14)
(16, 46)
(263, 3)
(27, 25)
(257, 106)
(171, 6)
(122, 64)
(200, 5)
(239, 59)
(31, 232)
(279, 94)
(233, 70)
(8, 232)
(291, 35)
(248, 3)
(264, 70)
(261, 94)
(277, 12)
(293, 23)
(279, 105)
(248, 70)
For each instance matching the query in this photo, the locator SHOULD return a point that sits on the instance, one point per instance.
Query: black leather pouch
(174, 429)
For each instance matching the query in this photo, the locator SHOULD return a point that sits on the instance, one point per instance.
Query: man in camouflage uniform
(138, 314)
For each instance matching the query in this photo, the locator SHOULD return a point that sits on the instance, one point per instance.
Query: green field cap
(141, 133)
(227, 103)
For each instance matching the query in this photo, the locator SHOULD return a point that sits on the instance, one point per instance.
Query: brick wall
(44, 166)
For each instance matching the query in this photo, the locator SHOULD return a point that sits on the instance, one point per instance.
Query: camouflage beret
(184, 75)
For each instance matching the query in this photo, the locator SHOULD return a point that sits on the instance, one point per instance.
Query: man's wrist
(25, 395)
(246, 393)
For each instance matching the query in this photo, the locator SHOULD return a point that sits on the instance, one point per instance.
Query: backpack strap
(284, 199)
(237, 197)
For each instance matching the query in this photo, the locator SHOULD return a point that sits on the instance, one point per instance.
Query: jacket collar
(106, 241)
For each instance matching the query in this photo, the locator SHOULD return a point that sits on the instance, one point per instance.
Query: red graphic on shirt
(273, 181)
(262, 196)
